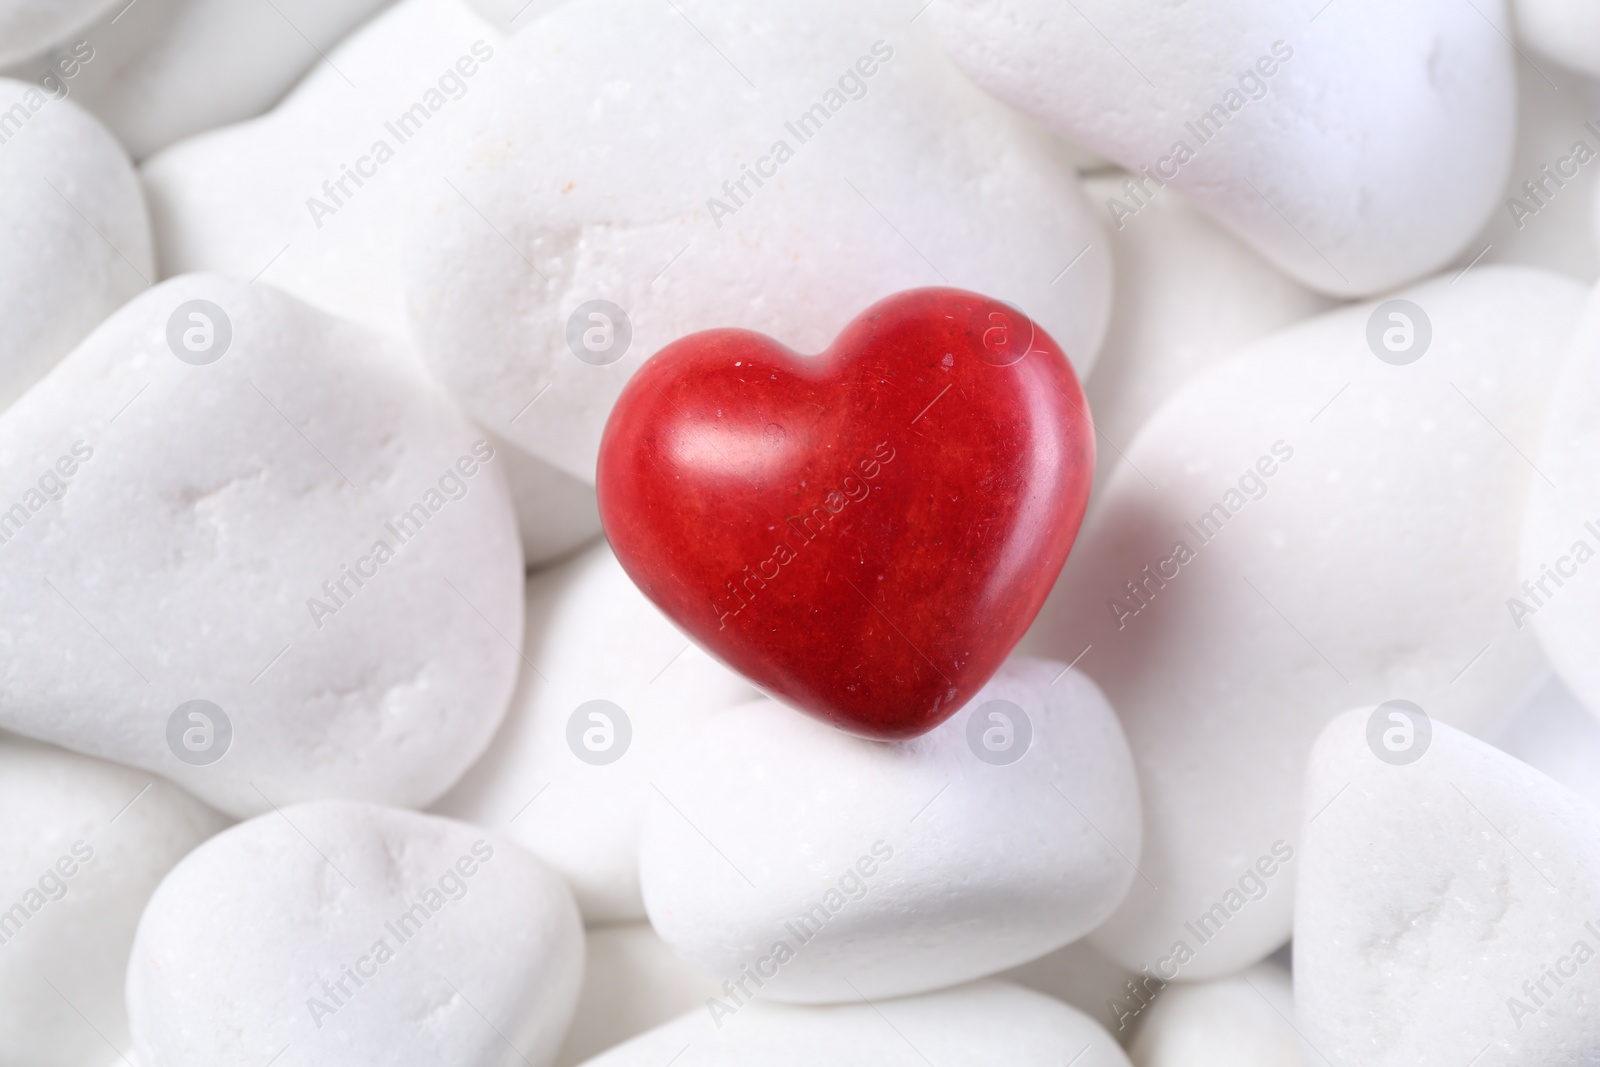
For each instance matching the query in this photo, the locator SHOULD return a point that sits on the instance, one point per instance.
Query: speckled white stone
(1434, 897)
(74, 234)
(83, 844)
(591, 635)
(922, 180)
(169, 526)
(1369, 561)
(888, 869)
(1357, 145)
(358, 936)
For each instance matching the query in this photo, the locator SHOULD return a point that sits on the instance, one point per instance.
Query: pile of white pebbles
(332, 734)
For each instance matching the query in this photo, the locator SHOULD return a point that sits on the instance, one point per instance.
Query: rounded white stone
(977, 1025)
(85, 843)
(1555, 591)
(1189, 294)
(1243, 1021)
(1567, 31)
(591, 636)
(1349, 529)
(74, 235)
(1434, 898)
(632, 982)
(836, 868)
(355, 935)
(177, 532)
(905, 177)
(146, 59)
(1425, 91)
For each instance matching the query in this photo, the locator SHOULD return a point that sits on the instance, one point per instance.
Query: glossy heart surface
(865, 533)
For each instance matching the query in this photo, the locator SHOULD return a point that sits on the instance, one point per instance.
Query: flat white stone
(904, 177)
(83, 844)
(1349, 529)
(569, 786)
(74, 234)
(356, 935)
(177, 532)
(1216, 98)
(977, 1025)
(831, 868)
(1448, 908)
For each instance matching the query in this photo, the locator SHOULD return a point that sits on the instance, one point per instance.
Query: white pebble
(978, 1025)
(178, 532)
(74, 234)
(568, 785)
(1349, 528)
(31, 26)
(1086, 978)
(800, 863)
(1217, 99)
(632, 197)
(1243, 1021)
(84, 844)
(1567, 31)
(1449, 907)
(355, 935)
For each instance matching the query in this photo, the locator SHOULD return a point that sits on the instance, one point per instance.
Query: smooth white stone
(83, 844)
(74, 234)
(1567, 31)
(888, 869)
(1372, 564)
(1243, 1021)
(1433, 898)
(241, 951)
(1305, 163)
(921, 181)
(591, 635)
(28, 27)
(178, 522)
(977, 1025)
(1080, 975)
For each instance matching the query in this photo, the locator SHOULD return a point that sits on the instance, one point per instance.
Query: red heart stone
(864, 534)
